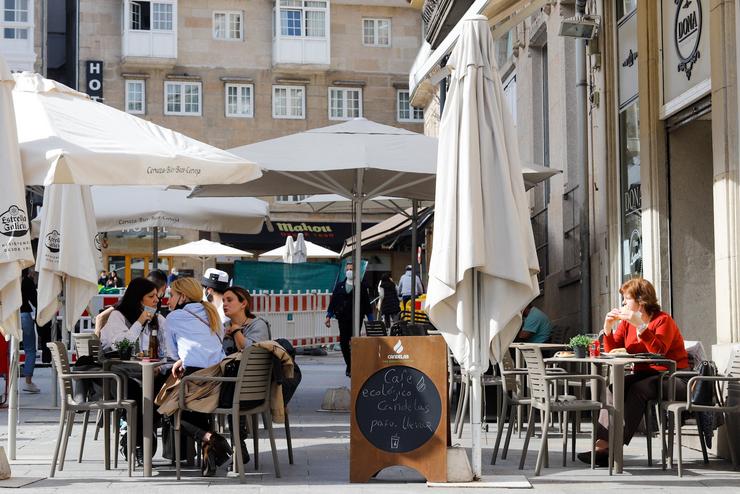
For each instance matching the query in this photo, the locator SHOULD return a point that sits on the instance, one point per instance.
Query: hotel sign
(685, 53)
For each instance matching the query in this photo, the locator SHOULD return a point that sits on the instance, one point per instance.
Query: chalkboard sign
(398, 409)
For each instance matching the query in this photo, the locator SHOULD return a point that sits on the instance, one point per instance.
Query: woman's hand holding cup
(611, 317)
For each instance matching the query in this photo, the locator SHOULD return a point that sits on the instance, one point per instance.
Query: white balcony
(150, 32)
(301, 32)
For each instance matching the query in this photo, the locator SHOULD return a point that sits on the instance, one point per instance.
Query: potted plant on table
(125, 347)
(579, 344)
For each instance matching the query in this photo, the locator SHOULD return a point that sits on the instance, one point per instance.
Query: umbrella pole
(13, 396)
(414, 213)
(475, 380)
(155, 249)
(358, 202)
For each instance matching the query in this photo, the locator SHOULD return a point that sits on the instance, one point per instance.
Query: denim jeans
(29, 343)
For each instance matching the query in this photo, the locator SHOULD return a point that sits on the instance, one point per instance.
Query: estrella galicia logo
(97, 241)
(687, 29)
(14, 222)
(52, 241)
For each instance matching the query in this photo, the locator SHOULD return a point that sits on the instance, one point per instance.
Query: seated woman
(131, 319)
(194, 331)
(242, 329)
(642, 327)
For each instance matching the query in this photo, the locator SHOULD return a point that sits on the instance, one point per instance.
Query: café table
(147, 368)
(617, 365)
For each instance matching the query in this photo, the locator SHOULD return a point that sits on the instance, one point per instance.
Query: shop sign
(686, 60)
(94, 71)
(627, 46)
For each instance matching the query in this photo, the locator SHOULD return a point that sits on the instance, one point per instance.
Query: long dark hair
(242, 295)
(130, 304)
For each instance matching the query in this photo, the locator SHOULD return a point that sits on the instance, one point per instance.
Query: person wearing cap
(215, 282)
(404, 285)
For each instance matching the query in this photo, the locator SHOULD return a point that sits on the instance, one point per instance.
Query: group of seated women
(192, 336)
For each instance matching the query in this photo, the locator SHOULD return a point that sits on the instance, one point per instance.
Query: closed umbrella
(15, 241)
(289, 250)
(300, 253)
(483, 269)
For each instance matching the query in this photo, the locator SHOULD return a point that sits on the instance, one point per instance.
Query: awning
(395, 226)
(502, 16)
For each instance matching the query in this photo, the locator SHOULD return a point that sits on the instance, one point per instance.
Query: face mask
(209, 296)
(349, 274)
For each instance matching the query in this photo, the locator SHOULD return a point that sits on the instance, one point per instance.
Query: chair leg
(177, 445)
(237, 442)
(117, 425)
(703, 443)
(530, 431)
(267, 421)
(661, 430)
(287, 437)
(671, 432)
(255, 441)
(576, 429)
(611, 441)
(85, 420)
(512, 423)
(594, 425)
(730, 424)
(98, 424)
(62, 427)
(67, 433)
(462, 410)
(500, 427)
(543, 444)
(649, 433)
(678, 444)
(130, 438)
(565, 436)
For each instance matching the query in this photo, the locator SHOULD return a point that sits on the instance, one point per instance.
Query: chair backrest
(509, 382)
(375, 328)
(733, 369)
(254, 380)
(60, 361)
(87, 345)
(536, 374)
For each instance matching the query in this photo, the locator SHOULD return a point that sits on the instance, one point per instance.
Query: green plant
(580, 340)
(124, 345)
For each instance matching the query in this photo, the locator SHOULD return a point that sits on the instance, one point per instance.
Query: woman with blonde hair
(194, 331)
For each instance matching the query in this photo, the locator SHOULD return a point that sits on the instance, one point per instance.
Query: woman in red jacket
(639, 326)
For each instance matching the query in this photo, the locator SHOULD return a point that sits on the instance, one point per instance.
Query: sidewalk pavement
(321, 448)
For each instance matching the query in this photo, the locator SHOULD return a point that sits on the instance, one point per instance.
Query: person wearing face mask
(215, 282)
(341, 307)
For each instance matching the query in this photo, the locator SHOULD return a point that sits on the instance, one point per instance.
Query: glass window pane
(235, 26)
(173, 98)
(629, 137)
(315, 26)
(219, 26)
(384, 32)
(624, 7)
(290, 22)
(368, 31)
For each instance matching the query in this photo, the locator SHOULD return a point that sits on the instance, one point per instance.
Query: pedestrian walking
(341, 307)
(404, 285)
(389, 306)
(28, 324)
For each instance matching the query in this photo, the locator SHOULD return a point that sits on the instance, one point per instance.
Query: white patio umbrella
(204, 250)
(66, 138)
(313, 252)
(483, 269)
(358, 159)
(15, 242)
(288, 250)
(300, 253)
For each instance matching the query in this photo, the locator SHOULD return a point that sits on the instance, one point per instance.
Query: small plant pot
(580, 351)
(125, 354)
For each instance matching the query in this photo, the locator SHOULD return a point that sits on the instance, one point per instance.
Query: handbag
(704, 392)
(226, 396)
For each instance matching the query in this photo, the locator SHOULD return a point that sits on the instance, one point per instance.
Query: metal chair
(252, 393)
(728, 404)
(512, 403)
(539, 385)
(69, 406)
(375, 328)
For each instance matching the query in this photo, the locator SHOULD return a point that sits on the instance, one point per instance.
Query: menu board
(398, 409)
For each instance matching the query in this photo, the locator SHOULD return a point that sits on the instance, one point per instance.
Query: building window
(135, 96)
(182, 98)
(376, 32)
(345, 103)
(631, 195)
(151, 16)
(228, 26)
(15, 19)
(290, 199)
(405, 112)
(509, 86)
(303, 18)
(239, 100)
(289, 102)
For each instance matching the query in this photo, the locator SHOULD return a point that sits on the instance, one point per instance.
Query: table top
(627, 359)
(139, 362)
(541, 345)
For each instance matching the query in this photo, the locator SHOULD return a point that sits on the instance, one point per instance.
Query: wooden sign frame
(427, 354)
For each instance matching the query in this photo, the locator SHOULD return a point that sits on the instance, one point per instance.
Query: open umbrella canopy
(394, 161)
(204, 249)
(66, 138)
(313, 252)
(118, 208)
(483, 269)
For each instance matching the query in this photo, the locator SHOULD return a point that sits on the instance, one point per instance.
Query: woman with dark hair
(242, 329)
(389, 306)
(131, 315)
(641, 327)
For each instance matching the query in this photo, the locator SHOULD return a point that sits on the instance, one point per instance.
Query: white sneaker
(31, 388)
